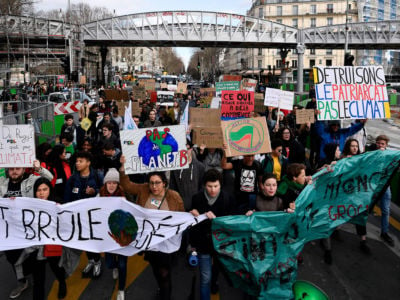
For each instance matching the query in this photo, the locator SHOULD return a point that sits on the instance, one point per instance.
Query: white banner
(279, 98)
(101, 224)
(154, 149)
(17, 146)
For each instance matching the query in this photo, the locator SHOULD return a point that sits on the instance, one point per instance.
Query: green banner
(259, 252)
(226, 86)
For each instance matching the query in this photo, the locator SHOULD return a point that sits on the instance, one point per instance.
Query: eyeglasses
(155, 182)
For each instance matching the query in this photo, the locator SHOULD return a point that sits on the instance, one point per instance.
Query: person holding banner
(155, 195)
(52, 253)
(214, 203)
(118, 263)
(19, 184)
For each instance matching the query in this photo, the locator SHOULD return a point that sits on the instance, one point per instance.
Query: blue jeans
(385, 207)
(205, 263)
(119, 262)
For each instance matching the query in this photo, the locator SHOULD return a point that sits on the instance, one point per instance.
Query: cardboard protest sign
(148, 84)
(116, 94)
(209, 136)
(226, 86)
(97, 224)
(163, 86)
(351, 93)
(249, 84)
(232, 78)
(205, 101)
(304, 116)
(279, 98)
(182, 88)
(207, 92)
(165, 98)
(122, 104)
(17, 146)
(139, 92)
(236, 104)
(259, 106)
(246, 136)
(204, 117)
(154, 149)
(82, 79)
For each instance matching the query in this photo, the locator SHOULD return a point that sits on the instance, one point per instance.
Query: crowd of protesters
(89, 162)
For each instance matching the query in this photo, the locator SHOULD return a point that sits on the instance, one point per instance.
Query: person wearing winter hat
(118, 263)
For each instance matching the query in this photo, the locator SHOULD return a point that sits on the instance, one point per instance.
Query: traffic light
(65, 65)
(83, 61)
(348, 59)
(74, 76)
(198, 66)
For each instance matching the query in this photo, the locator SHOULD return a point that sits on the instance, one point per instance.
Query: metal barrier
(41, 113)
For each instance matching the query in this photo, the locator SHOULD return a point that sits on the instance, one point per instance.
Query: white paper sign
(215, 102)
(279, 98)
(154, 149)
(100, 224)
(17, 146)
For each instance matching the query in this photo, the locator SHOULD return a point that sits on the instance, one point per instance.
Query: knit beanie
(112, 175)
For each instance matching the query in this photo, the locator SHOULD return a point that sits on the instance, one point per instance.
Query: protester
(69, 125)
(214, 203)
(20, 184)
(210, 157)
(175, 113)
(110, 158)
(108, 136)
(118, 263)
(267, 200)
(108, 120)
(188, 181)
(67, 140)
(151, 121)
(155, 195)
(84, 110)
(291, 148)
(43, 189)
(85, 183)
(248, 175)
(275, 162)
(351, 148)
(117, 118)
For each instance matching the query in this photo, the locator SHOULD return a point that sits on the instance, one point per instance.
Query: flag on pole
(129, 123)
(185, 120)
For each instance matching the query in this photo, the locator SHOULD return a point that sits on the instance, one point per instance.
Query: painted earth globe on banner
(308, 291)
(156, 146)
(123, 227)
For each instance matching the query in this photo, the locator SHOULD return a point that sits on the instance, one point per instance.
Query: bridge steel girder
(189, 29)
(363, 35)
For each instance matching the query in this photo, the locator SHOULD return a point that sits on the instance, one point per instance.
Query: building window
(312, 51)
(320, 61)
(312, 63)
(294, 63)
(141, 51)
(313, 22)
(141, 58)
(259, 63)
(313, 8)
(329, 62)
(279, 21)
(329, 8)
(295, 23)
(294, 51)
(278, 63)
(279, 10)
(329, 51)
(329, 21)
(261, 13)
(295, 10)
(259, 51)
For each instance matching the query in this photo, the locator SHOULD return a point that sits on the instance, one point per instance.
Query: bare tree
(16, 7)
(209, 63)
(170, 60)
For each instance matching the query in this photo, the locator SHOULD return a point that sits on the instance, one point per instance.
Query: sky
(124, 7)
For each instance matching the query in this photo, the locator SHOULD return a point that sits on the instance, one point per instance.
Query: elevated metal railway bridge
(189, 29)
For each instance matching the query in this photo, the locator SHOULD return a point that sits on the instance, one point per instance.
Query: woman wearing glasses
(155, 195)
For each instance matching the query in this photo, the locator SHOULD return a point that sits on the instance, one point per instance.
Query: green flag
(259, 252)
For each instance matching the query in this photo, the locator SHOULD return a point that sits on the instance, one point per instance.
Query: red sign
(236, 104)
(232, 78)
(153, 97)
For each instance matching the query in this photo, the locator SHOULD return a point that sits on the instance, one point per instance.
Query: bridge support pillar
(284, 53)
(103, 53)
(300, 57)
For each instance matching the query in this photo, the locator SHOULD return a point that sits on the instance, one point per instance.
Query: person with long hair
(118, 263)
(61, 170)
(43, 189)
(155, 195)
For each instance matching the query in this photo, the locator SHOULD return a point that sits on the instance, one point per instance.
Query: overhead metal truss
(364, 35)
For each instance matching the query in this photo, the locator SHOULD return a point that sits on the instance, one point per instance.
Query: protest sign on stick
(279, 98)
(236, 104)
(17, 146)
(351, 93)
(246, 136)
(226, 86)
(206, 126)
(304, 116)
(154, 149)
